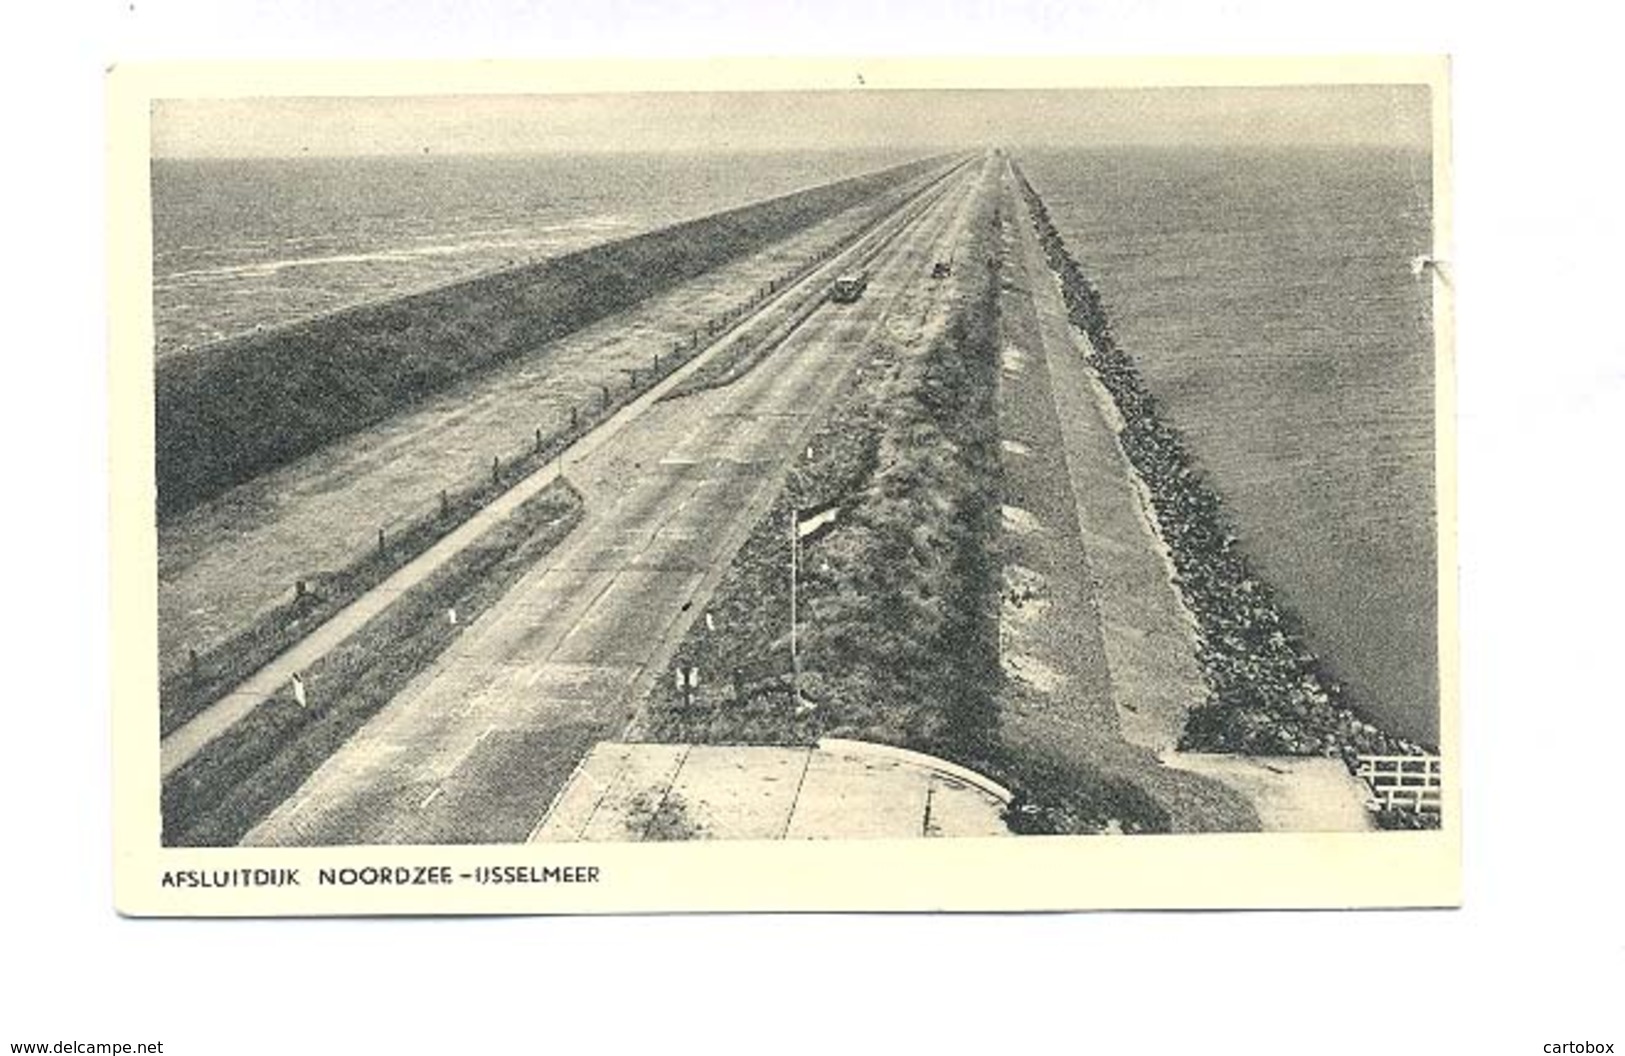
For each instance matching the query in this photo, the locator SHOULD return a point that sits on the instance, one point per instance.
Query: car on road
(849, 288)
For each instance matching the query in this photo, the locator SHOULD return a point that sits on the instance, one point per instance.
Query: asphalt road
(475, 748)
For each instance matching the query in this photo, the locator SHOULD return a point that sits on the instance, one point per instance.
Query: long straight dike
(186, 741)
(475, 748)
(227, 569)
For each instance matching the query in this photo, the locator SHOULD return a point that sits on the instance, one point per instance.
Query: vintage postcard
(783, 485)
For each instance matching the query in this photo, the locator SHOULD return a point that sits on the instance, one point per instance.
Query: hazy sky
(787, 120)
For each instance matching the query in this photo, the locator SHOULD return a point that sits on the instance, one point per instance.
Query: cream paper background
(1214, 871)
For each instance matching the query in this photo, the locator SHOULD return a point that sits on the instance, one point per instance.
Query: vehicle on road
(849, 288)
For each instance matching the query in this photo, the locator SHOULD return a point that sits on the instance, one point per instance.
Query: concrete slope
(1101, 661)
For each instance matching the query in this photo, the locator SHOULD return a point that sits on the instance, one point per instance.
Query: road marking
(293, 812)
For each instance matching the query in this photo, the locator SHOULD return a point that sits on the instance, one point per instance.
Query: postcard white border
(1205, 871)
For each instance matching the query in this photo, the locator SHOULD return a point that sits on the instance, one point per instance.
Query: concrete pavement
(476, 747)
(187, 740)
(837, 789)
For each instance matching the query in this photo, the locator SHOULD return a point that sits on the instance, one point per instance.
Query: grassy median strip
(229, 786)
(189, 689)
(898, 628)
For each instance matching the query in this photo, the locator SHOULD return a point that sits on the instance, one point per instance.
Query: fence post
(496, 469)
(380, 540)
(445, 503)
(574, 421)
(538, 440)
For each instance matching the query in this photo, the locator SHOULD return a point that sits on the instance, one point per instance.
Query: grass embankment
(900, 596)
(233, 410)
(1268, 692)
(229, 786)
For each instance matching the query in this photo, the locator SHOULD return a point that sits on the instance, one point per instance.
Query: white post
(795, 653)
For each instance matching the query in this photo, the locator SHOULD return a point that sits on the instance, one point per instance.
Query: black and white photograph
(818, 466)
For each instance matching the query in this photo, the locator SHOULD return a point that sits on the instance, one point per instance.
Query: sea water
(1269, 298)
(245, 243)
